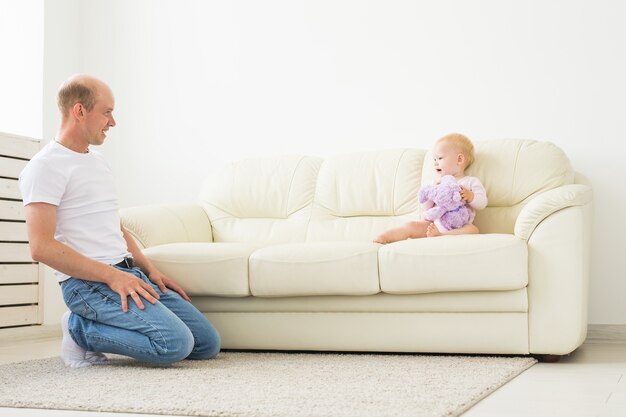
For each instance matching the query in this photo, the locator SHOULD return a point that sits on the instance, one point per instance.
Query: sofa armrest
(545, 204)
(167, 223)
(558, 229)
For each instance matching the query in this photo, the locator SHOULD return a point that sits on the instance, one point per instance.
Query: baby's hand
(466, 195)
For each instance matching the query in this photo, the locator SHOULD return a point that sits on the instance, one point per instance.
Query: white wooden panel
(19, 273)
(11, 210)
(14, 153)
(13, 232)
(18, 294)
(18, 146)
(19, 316)
(15, 252)
(9, 189)
(10, 167)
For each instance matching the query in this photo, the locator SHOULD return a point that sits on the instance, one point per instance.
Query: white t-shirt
(82, 187)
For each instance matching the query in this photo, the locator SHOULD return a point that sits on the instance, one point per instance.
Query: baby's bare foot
(432, 231)
(381, 239)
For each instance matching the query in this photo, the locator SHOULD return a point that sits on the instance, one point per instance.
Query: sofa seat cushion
(486, 262)
(205, 268)
(319, 268)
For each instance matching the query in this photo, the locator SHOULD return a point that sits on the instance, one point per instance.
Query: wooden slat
(11, 210)
(15, 252)
(18, 294)
(18, 146)
(11, 167)
(19, 274)
(9, 189)
(13, 232)
(19, 316)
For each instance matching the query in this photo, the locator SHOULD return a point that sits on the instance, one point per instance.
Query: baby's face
(448, 160)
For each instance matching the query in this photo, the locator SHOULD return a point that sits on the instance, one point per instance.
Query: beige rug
(260, 384)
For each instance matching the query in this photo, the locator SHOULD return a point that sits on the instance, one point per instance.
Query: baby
(452, 154)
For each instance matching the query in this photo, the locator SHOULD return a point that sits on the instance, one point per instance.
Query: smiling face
(448, 160)
(99, 119)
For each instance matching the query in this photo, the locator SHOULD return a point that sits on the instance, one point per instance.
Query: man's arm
(149, 269)
(41, 225)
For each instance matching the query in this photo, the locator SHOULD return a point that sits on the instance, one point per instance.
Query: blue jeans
(165, 332)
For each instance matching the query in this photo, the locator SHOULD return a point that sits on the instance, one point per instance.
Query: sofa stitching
(313, 200)
(515, 162)
(295, 170)
(395, 178)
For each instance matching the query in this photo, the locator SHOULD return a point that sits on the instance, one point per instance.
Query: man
(74, 227)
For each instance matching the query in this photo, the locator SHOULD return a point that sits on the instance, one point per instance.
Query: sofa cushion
(454, 263)
(205, 268)
(264, 200)
(381, 183)
(322, 268)
(360, 194)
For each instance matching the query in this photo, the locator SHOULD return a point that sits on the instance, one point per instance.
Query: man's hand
(126, 284)
(466, 195)
(149, 269)
(164, 283)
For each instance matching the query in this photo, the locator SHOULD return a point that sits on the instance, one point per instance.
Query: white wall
(62, 57)
(199, 83)
(21, 64)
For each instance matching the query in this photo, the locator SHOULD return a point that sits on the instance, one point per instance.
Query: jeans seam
(111, 341)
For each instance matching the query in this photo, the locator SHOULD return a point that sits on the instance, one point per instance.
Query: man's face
(100, 118)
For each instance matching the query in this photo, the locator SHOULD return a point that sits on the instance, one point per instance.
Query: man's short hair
(75, 91)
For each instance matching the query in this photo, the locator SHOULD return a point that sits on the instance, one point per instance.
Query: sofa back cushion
(356, 196)
(360, 194)
(265, 200)
(514, 171)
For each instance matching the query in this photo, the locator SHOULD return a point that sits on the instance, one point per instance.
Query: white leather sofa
(278, 254)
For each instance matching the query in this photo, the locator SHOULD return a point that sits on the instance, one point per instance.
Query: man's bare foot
(432, 231)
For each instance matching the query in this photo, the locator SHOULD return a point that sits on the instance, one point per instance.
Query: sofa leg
(548, 358)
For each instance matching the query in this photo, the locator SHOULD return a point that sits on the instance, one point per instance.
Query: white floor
(591, 382)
